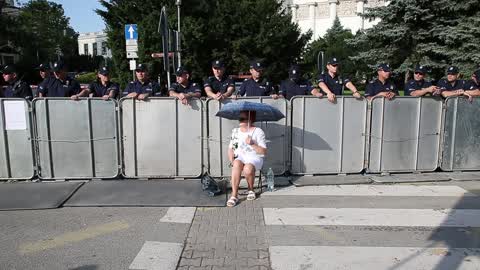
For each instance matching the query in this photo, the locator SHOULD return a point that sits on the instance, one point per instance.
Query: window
(85, 49)
(95, 50)
(104, 48)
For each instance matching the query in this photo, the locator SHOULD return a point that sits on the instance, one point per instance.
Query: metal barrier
(16, 154)
(328, 138)
(76, 139)
(461, 137)
(161, 138)
(405, 134)
(219, 132)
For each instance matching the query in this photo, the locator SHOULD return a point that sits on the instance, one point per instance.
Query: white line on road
(179, 215)
(373, 258)
(372, 190)
(157, 256)
(372, 217)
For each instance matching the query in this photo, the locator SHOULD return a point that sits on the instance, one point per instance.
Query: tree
(433, 33)
(235, 30)
(334, 45)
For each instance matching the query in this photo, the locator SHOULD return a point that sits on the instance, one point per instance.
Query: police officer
(331, 83)
(219, 86)
(142, 87)
(103, 87)
(382, 86)
(257, 85)
(472, 87)
(419, 86)
(16, 88)
(46, 75)
(295, 85)
(184, 89)
(452, 86)
(62, 85)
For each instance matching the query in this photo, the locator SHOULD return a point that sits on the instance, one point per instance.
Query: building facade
(8, 53)
(318, 15)
(94, 44)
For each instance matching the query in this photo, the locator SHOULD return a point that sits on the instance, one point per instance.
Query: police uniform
(218, 86)
(335, 84)
(59, 88)
(295, 85)
(376, 86)
(252, 88)
(471, 84)
(190, 88)
(97, 89)
(47, 80)
(413, 85)
(445, 85)
(148, 87)
(17, 88)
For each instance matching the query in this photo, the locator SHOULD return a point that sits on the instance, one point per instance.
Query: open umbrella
(264, 112)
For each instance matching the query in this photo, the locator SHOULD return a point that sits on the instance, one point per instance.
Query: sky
(82, 15)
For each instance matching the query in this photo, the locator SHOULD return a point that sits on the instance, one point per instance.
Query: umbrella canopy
(264, 112)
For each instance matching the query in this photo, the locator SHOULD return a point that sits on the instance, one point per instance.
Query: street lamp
(179, 4)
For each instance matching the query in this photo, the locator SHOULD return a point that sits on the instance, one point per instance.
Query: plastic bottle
(270, 180)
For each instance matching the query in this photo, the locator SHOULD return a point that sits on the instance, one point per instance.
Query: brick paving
(227, 238)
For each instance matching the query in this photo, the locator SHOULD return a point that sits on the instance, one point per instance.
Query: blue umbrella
(264, 112)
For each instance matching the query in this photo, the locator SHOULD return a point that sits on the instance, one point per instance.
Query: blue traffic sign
(131, 32)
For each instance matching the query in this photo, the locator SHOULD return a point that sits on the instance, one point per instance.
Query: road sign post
(131, 42)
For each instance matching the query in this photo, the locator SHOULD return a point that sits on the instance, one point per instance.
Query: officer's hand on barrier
(331, 97)
(132, 95)
(184, 101)
(74, 97)
(390, 95)
(106, 97)
(274, 96)
(142, 97)
(357, 95)
(218, 96)
(319, 95)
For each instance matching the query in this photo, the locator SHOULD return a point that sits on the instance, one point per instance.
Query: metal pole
(179, 3)
(321, 65)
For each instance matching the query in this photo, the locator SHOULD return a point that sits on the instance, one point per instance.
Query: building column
(361, 10)
(313, 18)
(294, 9)
(333, 9)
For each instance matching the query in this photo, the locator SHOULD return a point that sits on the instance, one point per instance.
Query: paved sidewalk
(219, 239)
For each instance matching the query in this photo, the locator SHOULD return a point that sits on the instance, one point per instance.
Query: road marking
(157, 256)
(179, 215)
(72, 237)
(373, 190)
(373, 258)
(372, 217)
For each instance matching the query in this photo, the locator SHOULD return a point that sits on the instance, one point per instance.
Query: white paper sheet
(15, 118)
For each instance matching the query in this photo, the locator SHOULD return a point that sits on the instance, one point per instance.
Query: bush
(87, 78)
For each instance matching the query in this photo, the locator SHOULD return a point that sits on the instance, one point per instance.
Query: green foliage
(235, 30)
(433, 33)
(87, 77)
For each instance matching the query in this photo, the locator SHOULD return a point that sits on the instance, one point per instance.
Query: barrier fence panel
(328, 138)
(219, 132)
(405, 134)
(16, 147)
(461, 137)
(76, 139)
(162, 138)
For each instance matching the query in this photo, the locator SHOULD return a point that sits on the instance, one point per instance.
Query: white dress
(244, 152)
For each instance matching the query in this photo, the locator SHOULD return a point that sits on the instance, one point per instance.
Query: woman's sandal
(232, 202)
(251, 196)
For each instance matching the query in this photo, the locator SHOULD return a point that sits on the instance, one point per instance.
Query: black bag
(210, 185)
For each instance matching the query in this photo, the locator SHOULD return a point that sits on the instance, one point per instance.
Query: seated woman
(246, 152)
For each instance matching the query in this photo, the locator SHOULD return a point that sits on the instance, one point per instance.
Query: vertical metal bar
(5, 141)
(454, 133)
(382, 121)
(134, 118)
(303, 136)
(90, 136)
(342, 120)
(49, 138)
(176, 138)
(419, 118)
(220, 136)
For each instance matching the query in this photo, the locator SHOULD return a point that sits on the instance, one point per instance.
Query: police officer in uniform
(16, 88)
(331, 83)
(472, 87)
(452, 86)
(219, 86)
(256, 86)
(382, 86)
(46, 75)
(103, 87)
(142, 87)
(295, 85)
(419, 86)
(184, 89)
(62, 85)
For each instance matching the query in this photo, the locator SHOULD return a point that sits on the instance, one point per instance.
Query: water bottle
(270, 180)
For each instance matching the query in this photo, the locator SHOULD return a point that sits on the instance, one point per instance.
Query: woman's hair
(252, 115)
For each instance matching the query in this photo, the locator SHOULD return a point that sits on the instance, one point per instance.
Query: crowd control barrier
(461, 139)
(328, 138)
(161, 138)
(405, 134)
(16, 153)
(76, 139)
(220, 130)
